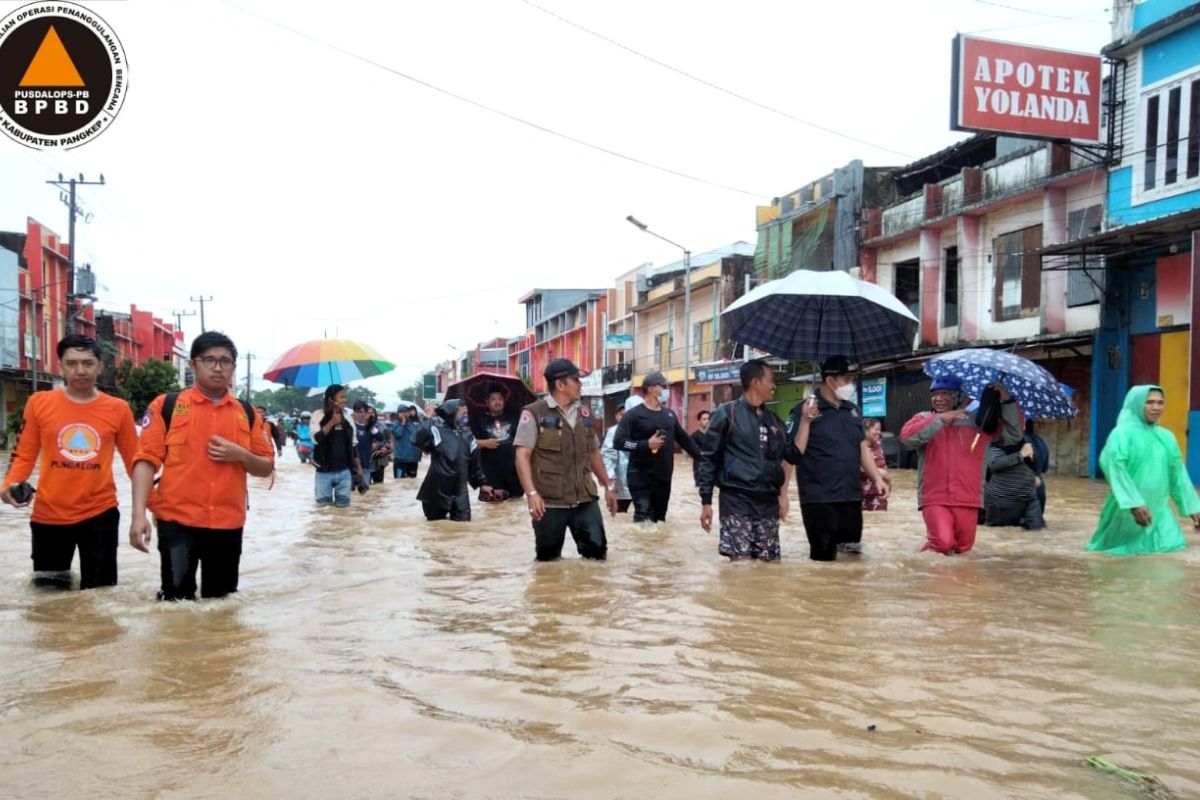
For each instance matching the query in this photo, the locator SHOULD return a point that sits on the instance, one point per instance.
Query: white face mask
(664, 395)
(846, 392)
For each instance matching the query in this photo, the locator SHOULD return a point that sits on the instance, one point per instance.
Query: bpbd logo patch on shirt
(78, 441)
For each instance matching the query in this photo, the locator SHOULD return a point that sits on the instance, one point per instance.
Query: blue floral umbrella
(1038, 393)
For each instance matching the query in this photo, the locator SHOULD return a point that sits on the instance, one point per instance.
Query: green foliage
(414, 393)
(356, 393)
(283, 400)
(139, 385)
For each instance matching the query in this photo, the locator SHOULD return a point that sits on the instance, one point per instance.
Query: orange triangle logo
(52, 66)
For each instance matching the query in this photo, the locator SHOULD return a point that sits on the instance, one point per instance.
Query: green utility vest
(562, 457)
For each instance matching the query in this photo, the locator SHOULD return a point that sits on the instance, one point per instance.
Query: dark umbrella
(476, 388)
(810, 316)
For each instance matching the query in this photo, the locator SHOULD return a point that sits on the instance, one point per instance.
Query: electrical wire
(712, 85)
(490, 109)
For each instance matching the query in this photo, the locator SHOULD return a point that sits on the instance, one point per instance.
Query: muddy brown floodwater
(371, 654)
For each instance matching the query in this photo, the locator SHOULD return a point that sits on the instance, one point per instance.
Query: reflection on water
(373, 654)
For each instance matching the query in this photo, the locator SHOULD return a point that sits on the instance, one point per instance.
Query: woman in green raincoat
(1143, 466)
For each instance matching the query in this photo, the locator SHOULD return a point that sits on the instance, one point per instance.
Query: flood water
(371, 654)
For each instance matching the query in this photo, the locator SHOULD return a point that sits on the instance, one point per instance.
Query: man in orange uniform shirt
(75, 428)
(199, 503)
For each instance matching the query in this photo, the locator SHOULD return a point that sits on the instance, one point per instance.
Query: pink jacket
(949, 470)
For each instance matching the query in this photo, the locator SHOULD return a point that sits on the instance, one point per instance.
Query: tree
(414, 393)
(139, 385)
(356, 393)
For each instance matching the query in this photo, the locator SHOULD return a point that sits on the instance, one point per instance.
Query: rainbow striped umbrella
(322, 362)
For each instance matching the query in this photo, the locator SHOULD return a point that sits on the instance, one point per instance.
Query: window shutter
(1031, 272)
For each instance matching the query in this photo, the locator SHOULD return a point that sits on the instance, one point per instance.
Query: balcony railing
(618, 373)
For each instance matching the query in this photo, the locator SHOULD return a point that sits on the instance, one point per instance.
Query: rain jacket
(402, 442)
(1144, 468)
(453, 463)
(949, 470)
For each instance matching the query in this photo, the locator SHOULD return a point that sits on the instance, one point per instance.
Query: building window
(702, 343)
(1018, 289)
(1170, 143)
(1085, 276)
(662, 350)
(907, 280)
(950, 289)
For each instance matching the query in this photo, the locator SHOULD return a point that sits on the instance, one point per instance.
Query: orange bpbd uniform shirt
(76, 441)
(194, 489)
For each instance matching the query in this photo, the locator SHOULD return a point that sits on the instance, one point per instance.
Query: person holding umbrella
(828, 432)
(494, 430)
(950, 449)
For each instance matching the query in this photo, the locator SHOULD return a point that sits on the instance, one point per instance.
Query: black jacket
(736, 457)
(453, 464)
(636, 428)
(500, 464)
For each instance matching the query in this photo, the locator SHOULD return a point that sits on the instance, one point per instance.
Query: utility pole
(249, 360)
(201, 300)
(73, 211)
(179, 315)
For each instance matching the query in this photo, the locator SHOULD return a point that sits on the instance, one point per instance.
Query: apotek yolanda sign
(1025, 91)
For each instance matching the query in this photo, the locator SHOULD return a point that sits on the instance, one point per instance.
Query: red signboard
(1025, 91)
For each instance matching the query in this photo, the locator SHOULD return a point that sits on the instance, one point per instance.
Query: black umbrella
(476, 388)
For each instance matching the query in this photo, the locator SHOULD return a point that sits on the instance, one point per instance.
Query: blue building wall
(1170, 55)
(1152, 11)
(1121, 210)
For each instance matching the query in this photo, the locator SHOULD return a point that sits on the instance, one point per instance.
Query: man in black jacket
(743, 453)
(649, 433)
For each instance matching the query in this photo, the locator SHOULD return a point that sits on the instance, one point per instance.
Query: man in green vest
(557, 455)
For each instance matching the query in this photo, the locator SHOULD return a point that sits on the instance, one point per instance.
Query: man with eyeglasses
(75, 429)
(557, 455)
(205, 447)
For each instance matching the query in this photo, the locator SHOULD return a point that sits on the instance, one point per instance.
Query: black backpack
(168, 409)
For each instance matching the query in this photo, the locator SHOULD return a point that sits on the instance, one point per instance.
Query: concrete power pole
(201, 300)
(179, 315)
(249, 361)
(73, 211)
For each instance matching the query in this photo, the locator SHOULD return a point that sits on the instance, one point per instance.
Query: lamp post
(687, 312)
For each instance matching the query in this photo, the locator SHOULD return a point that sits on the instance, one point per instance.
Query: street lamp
(687, 311)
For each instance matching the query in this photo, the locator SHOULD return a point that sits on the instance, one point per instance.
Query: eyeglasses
(212, 362)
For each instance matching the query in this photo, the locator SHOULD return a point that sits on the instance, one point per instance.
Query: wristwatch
(612, 487)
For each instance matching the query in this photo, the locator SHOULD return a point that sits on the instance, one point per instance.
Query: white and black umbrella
(810, 316)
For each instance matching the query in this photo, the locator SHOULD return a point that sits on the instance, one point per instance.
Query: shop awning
(1164, 231)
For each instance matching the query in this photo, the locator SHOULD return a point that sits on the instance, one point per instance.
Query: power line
(714, 86)
(1041, 13)
(493, 109)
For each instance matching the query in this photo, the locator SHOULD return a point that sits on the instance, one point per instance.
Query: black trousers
(650, 496)
(458, 512)
(404, 469)
(183, 549)
(829, 524)
(586, 524)
(96, 537)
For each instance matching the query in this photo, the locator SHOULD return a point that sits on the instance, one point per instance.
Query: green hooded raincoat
(1144, 468)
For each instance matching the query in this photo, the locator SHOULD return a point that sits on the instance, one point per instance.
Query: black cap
(560, 368)
(836, 365)
(654, 378)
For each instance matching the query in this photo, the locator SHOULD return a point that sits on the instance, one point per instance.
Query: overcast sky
(291, 159)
